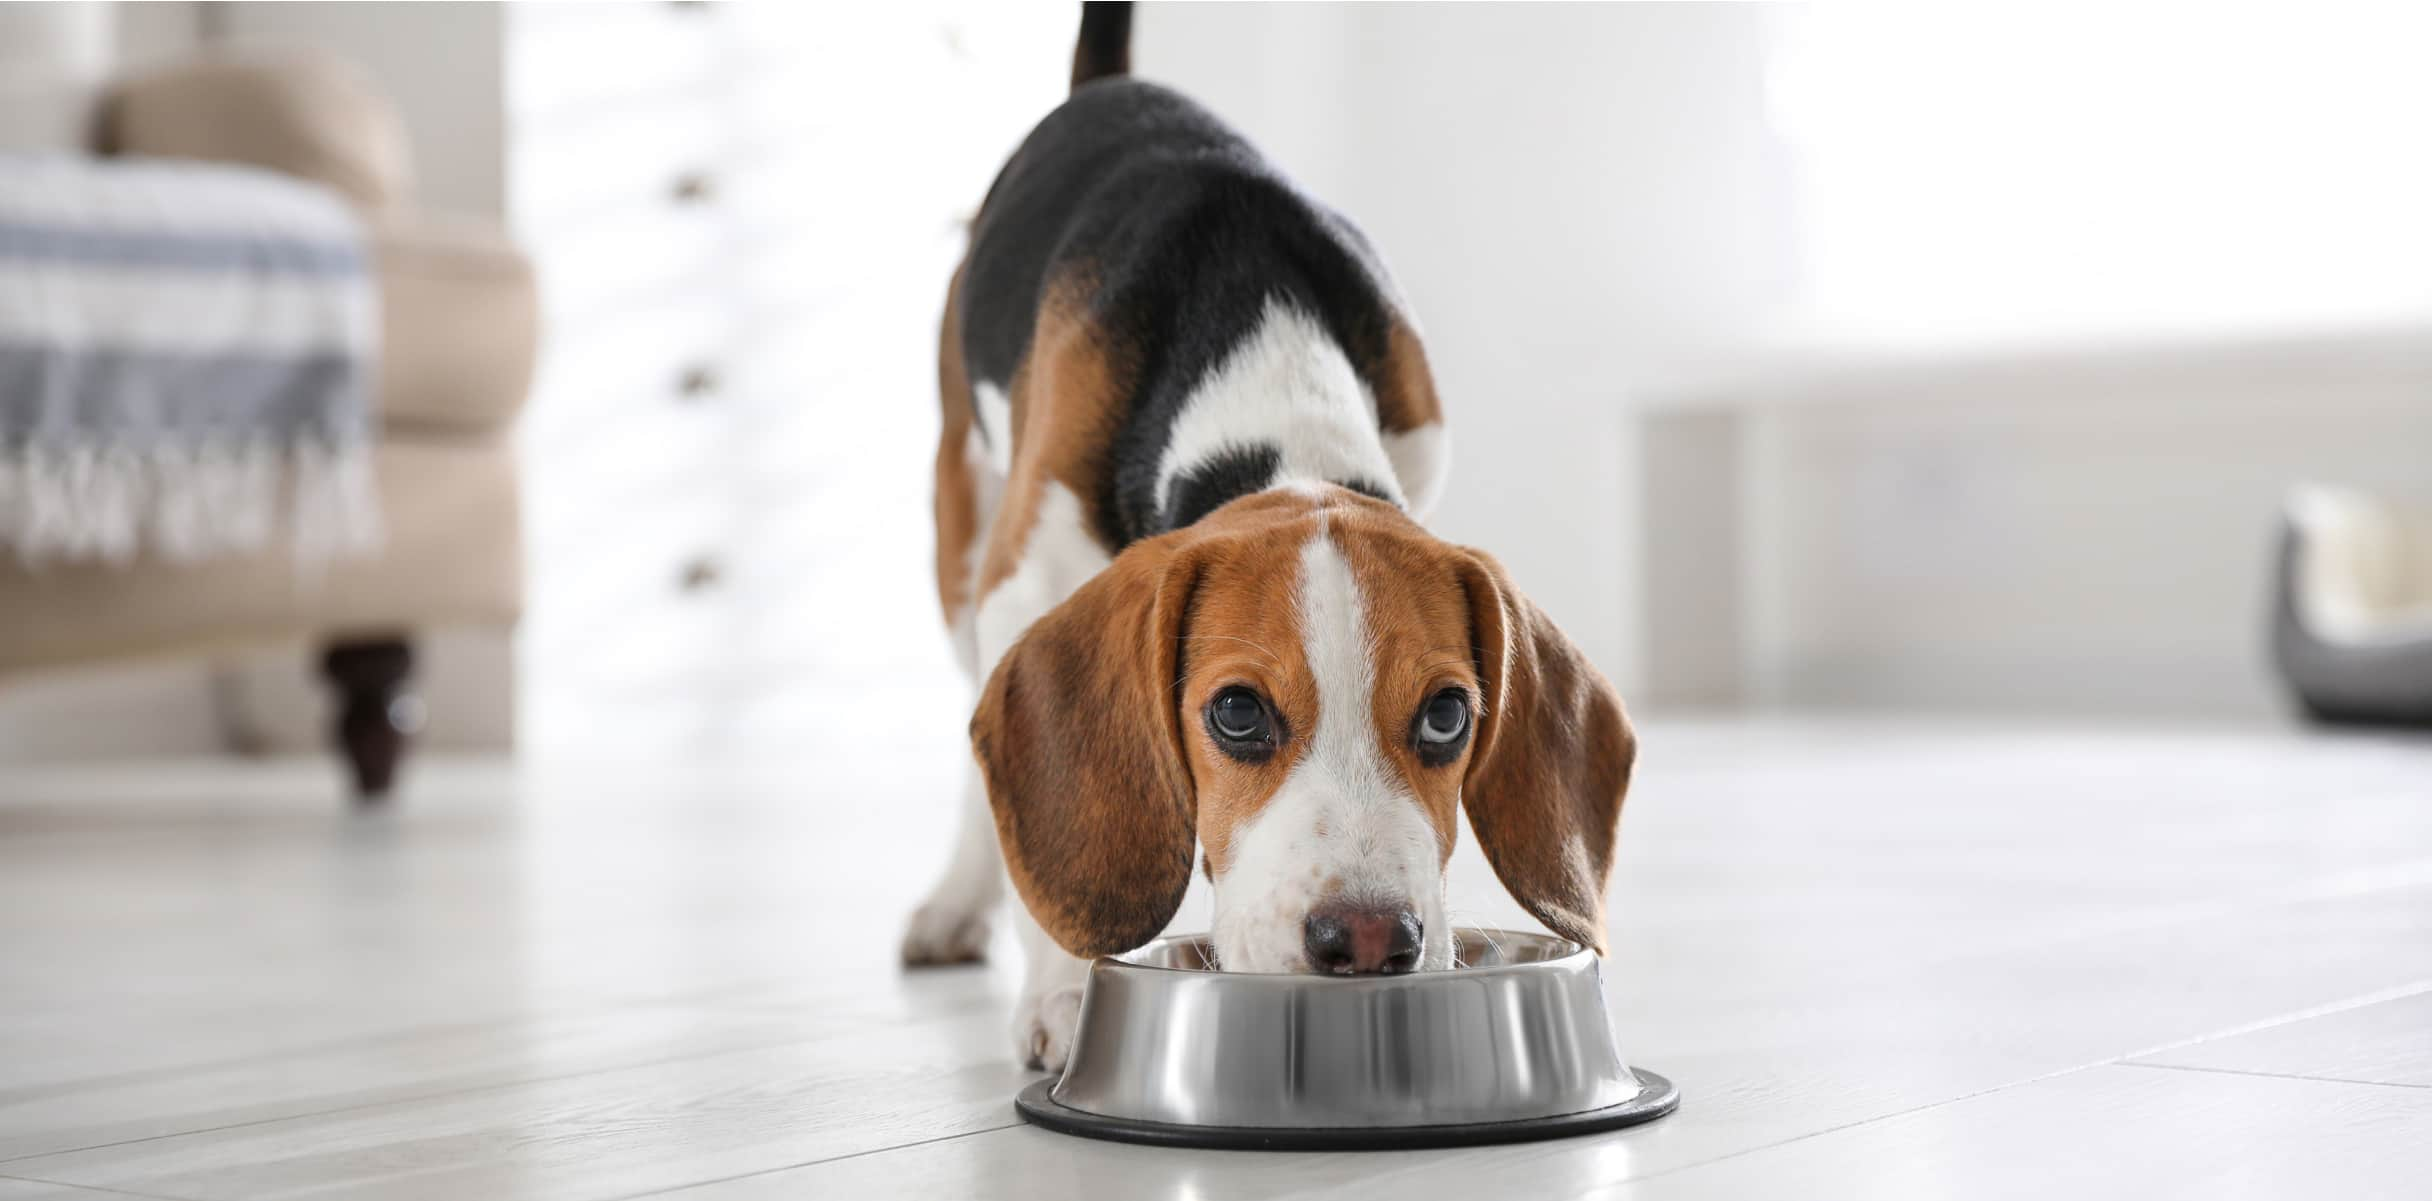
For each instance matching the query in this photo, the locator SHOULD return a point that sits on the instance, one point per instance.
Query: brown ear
(1079, 736)
(1552, 762)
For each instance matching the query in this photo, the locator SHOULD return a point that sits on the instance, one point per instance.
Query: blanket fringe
(188, 502)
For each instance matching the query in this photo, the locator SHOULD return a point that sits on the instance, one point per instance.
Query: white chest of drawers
(744, 218)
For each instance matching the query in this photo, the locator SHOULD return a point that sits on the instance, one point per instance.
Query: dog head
(1308, 685)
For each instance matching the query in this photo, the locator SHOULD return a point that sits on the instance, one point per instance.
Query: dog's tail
(1105, 47)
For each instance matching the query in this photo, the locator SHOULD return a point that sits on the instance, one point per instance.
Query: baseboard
(269, 702)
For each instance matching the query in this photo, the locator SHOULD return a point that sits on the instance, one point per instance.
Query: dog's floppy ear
(1552, 760)
(1079, 735)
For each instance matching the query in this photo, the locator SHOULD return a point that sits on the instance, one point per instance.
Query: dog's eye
(1444, 722)
(1237, 715)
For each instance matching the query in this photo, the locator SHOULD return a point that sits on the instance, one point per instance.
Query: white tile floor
(1882, 959)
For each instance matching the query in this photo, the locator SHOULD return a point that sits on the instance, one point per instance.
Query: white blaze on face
(1343, 815)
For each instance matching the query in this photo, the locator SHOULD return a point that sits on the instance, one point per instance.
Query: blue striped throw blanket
(185, 362)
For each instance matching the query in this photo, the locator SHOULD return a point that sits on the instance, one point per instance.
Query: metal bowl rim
(1125, 963)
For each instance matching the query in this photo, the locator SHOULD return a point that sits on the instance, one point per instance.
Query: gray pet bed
(2352, 614)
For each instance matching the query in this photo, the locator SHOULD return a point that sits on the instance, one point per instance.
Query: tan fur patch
(955, 505)
(1405, 389)
(1066, 401)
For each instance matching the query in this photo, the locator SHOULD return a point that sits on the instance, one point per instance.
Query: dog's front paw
(944, 933)
(1043, 1027)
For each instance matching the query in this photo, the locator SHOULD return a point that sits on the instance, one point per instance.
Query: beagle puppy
(1188, 433)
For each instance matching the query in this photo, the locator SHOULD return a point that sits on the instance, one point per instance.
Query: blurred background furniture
(2352, 607)
(458, 334)
(1833, 426)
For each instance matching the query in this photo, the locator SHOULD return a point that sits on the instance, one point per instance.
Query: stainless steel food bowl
(1514, 1044)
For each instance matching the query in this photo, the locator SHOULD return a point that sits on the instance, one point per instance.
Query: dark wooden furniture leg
(377, 711)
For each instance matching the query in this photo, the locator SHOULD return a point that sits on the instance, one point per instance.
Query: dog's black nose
(1344, 940)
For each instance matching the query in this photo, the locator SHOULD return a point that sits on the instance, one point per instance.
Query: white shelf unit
(744, 219)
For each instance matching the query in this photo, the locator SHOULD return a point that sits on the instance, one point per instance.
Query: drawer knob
(697, 382)
(700, 574)
(694, 187)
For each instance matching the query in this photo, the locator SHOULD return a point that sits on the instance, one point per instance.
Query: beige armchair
(458, 333)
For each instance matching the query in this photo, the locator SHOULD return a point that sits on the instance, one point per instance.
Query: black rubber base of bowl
(1655, 1098)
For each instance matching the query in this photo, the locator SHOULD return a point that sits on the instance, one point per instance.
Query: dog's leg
(952, 925)
(1050, 1008)
(1054, 554)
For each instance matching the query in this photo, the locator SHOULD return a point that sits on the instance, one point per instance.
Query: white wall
(109, 711)
(153, 30)
(2050, 171)
(268, 701)
(441, 62)
(2067, 250)
(53, 60)
(1574, 197)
